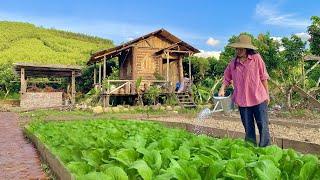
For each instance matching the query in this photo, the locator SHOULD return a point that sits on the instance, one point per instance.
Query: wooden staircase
(185, 100)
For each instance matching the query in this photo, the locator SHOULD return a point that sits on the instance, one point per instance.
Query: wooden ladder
(185, 100)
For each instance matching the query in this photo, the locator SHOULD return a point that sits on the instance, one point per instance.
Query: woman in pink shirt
(248, 74)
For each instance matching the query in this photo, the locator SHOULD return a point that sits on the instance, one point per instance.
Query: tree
(153, 94)
(228, 52)
(138, 91)
(6, 76)
(199, 67)
(216, 67)
(314, 32)
(288, 70)
(269, 51)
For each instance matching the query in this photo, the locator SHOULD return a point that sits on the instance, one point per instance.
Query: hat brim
(242, 45)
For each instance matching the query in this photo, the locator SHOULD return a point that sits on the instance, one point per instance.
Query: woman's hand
(221, 92)
(268, 101)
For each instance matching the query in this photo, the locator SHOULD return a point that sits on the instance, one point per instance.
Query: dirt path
(281, 131)
(18, 158)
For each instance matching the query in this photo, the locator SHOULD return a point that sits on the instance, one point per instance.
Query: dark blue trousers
(258, 114)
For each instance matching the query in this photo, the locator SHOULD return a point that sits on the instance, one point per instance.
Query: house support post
(106, 100)
(95, 76)
(167, 55)
(100, 75)
(73, 87)
(104, 67)
(190, 69)
(180, 69)
(23, 88)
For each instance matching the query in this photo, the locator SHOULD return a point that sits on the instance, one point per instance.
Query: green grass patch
(123, 149)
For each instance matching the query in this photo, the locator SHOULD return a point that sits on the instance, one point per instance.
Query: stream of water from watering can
(203, 114)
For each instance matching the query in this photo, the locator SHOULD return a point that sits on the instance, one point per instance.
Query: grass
(11, 96)
(49, 115)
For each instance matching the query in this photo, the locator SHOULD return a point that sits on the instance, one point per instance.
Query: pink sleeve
(262, 69)
(227, 75)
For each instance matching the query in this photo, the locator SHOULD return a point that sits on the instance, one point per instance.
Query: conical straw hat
(243, 41)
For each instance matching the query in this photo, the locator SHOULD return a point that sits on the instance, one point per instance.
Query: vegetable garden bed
(113, 149)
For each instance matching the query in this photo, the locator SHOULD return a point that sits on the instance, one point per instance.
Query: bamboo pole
(167, 54)
(190, 69)
(73, 88)
(23, 87)
(180, 69)
(104, 67)
(134, 64)
(94, 74)
(303, 75)
(100, 74)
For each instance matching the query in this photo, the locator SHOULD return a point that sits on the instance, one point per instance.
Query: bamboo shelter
(30, 99)
(156, 58)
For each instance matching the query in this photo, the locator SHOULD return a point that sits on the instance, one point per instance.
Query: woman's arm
(222, 90)
(264, 76)
(266, 87)
(227, 78)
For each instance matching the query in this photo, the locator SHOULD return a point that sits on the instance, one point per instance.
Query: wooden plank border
(300, 146)
(54, 162)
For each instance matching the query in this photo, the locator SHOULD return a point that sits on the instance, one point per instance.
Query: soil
(294, 129)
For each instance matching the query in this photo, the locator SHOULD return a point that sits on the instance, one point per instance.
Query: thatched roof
(116, 51)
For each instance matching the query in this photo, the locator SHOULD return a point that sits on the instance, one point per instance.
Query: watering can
(222, 103)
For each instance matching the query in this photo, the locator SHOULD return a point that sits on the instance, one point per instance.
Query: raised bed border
(62, 172)
(54, 162)
(300, 146)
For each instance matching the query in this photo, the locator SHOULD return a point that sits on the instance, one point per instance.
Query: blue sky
(205, 24)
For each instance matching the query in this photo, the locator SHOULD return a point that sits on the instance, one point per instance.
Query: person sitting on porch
(184, 85)
(178, 84)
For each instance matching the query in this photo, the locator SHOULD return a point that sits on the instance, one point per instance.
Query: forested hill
(24, 42)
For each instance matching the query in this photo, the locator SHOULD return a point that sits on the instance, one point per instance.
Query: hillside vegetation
(24, 42)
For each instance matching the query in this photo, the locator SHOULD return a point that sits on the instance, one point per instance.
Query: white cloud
(270, 15)
(304, 36)
(130, 38)
(206, 54)
(212, 42)
(276, 38)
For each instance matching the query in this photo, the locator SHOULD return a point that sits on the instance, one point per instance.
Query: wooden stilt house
(155, 57)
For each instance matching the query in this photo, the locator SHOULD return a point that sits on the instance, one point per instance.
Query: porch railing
(128, 87)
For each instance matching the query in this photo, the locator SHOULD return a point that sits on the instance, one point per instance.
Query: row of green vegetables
(117, 149)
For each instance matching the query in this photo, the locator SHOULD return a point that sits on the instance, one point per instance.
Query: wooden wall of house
(125, 65)
(146, 63)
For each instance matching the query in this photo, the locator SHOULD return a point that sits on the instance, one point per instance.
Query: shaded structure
(29, 99)
(302, 91)
(156, 58)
